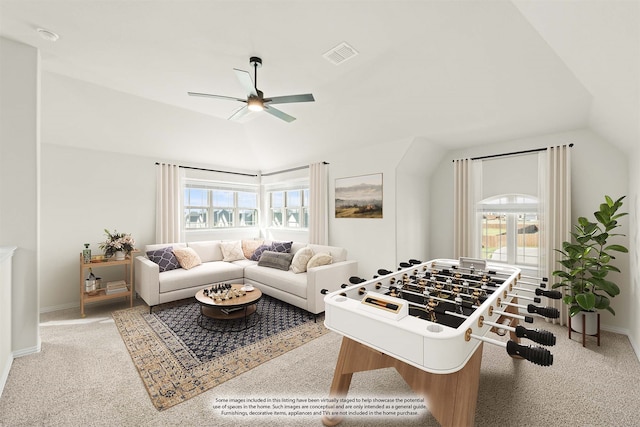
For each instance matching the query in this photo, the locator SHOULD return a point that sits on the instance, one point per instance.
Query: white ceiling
(457, 73)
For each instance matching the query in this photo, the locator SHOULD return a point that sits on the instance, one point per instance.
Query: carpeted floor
(178, 359)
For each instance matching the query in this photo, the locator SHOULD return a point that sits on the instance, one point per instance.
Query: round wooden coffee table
(234, 308)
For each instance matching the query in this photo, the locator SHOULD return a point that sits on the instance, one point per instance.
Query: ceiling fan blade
(307, 97)
(279, 114)
(208, 95)
(240, 112)
(246, 82)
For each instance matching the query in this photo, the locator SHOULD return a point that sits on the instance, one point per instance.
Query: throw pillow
(284, 247)
(319, 259)
(231, 251)
(279, 260)
(250, 246)
(258, 252)
(165, 258)
(301, 259)
(187, 257)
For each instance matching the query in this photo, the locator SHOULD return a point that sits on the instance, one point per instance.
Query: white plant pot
(590, 322)
(119, 256)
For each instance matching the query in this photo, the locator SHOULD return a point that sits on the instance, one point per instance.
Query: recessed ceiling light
(47, 35)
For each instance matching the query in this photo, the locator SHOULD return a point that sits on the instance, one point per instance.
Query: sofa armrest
(328, 277)
(147, 275)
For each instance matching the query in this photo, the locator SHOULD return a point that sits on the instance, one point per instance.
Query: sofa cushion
(278, 260)
(319, 259)
(259, 250)
(165, 258)
(300, 260)
(205, 274)
(208, 250)
(157, 246)
(249, 247)
(284, 247)
(286, 281)
(338, 254)
(232, 250)
(187, 257)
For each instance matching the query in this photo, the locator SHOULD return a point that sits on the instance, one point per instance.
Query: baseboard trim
(634, 346)
(51, 308)
(29, 350)
(5, 373)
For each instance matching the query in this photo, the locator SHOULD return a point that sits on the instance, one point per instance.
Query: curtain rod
(289, 170)
(513, 153)
(214, 170)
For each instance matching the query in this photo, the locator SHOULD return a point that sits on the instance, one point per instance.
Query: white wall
(19, 184)
(413, 202)
(372, 242)
(597, 168)
(633, 204)
(84, 192)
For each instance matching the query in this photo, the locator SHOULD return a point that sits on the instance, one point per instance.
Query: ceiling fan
(255, 98)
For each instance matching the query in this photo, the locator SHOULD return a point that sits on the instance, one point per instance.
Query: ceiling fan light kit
(255, 100)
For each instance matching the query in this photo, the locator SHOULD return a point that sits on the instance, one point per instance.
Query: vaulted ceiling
(458, 73)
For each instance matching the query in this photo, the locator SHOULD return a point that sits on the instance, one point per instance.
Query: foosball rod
(540, 292)
(527, 319)
(548, 312)
(433, 278)
(363, 290)
(538, 355)
(536, 335)
(496, 272)
(534, 299)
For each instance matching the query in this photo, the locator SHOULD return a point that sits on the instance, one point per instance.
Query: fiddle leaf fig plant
(587, 260)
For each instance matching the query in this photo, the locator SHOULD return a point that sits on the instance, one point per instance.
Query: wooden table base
(451, 398)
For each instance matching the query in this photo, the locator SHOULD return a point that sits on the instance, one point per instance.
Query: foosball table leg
(452, 398)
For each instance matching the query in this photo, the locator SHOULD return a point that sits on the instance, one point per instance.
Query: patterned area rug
(177, 359)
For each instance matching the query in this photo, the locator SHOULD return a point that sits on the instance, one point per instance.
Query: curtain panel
(318, 204)
(466, 172)
(168, 204)
(555, 188)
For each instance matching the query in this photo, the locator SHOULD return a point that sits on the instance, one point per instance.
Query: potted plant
(587, 262)
(117, 245)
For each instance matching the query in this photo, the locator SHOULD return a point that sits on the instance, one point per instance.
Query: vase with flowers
(117, 245)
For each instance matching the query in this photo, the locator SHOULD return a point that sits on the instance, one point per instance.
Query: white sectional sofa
(299, 289)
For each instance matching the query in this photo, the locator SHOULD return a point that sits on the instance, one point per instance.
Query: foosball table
(429, 320)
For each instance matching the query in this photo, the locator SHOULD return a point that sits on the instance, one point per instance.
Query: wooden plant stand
(452, 397)
(584, 328)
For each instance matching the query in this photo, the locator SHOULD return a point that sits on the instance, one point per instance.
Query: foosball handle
(355, 280)
(538, 355)
(548, 312)
(536, 335)
(414, 261)
(384, 272)
(549, 294)
(405, 265)
(324, 291)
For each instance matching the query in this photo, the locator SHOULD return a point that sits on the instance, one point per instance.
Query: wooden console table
(101, 295)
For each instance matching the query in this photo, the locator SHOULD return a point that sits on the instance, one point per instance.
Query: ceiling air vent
(340, 54)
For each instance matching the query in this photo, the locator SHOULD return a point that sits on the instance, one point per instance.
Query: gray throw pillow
(165, 258)
(259, 251)
(278, 260)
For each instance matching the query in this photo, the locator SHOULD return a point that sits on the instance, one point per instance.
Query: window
(207, 206)
(509, 229)
(289, 208)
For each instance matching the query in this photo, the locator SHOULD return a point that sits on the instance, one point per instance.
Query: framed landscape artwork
(359, 196)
